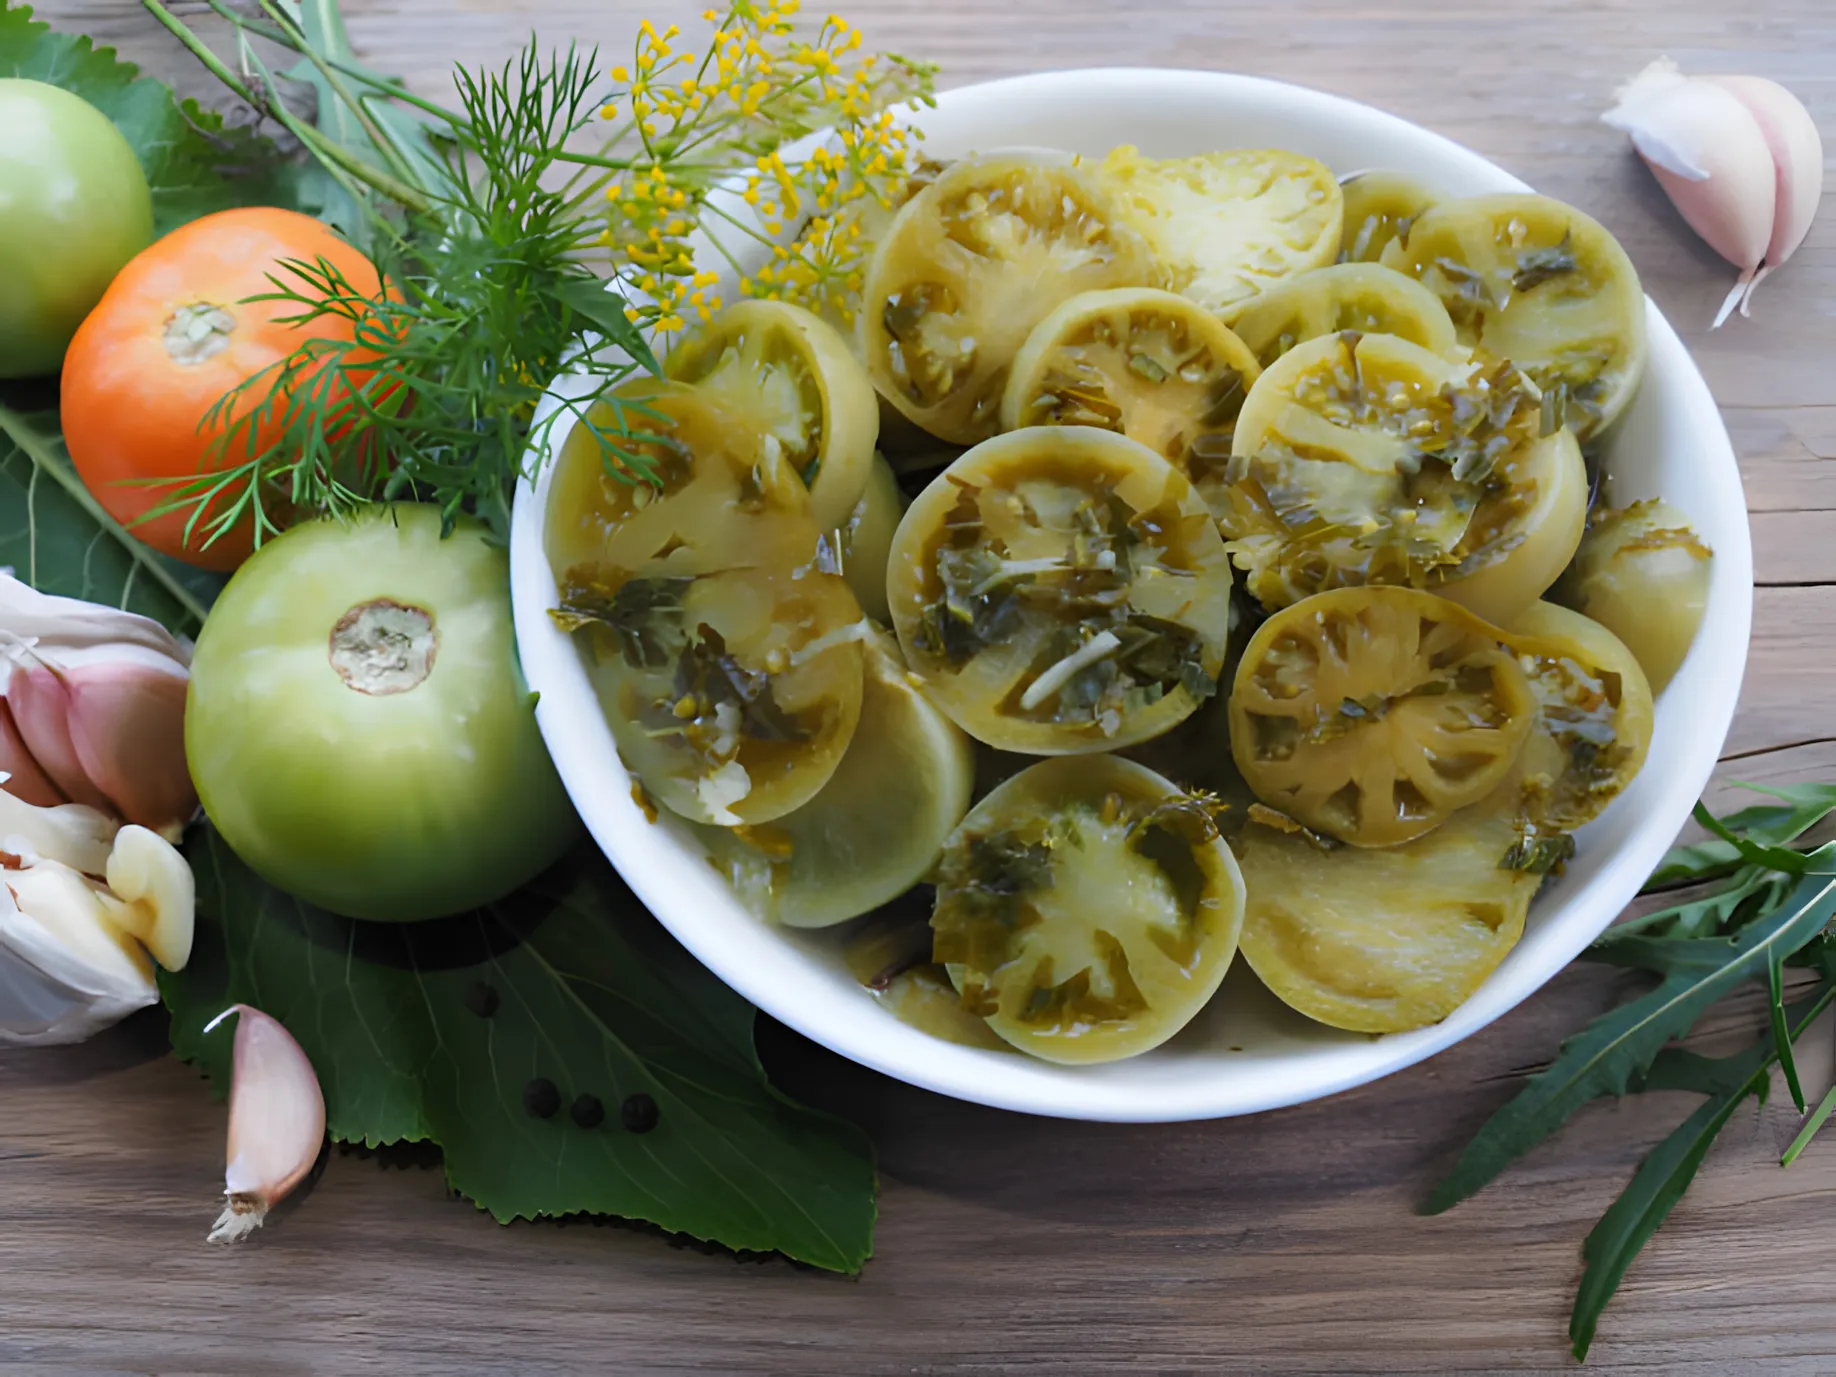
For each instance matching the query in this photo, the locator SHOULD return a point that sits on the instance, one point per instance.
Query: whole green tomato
(357, 727)
(74, 208)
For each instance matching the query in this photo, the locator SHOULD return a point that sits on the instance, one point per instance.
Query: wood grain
(1285, 1243)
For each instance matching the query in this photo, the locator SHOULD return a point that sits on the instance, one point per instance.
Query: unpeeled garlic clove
(276, 1124)
(95, 703)
(1797, 156)
(1739, 157)
(69, 833)
(23, 776)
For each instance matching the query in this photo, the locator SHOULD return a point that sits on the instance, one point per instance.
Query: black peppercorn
(481, 999)
(588, 1112)
(638, 1113)
(541, 1098)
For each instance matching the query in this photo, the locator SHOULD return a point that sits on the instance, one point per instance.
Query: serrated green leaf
(194, 163)
(1803, 807)
(591, 994)
(1677, 1068)
(1606, 1055)
(56, 537)
(1661, 1180)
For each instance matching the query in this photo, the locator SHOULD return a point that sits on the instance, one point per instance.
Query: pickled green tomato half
(1593, 723)
(1366, 297)
(789, 378)
(1087, 909)
(1379, 208)
(356, 725)
(1147, 364)
(74, 208)
(1643, 573)
(966, 270)
(1366, 459)
(722, 642)
(1529, 279)
(1383, 940)
(1374, 714)
(875, 829)
(1061, 589)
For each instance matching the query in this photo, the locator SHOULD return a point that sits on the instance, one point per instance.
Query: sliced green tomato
(1522, 534)
(733, 696)
(793, 381)
(968, 268)
(1363, 459)
(1594, 717)
(1643, 573)
(924, 998)
(1374, 714)
(1061, 589)
(1532, 280)
(867, 536)
(879, 823)
(1379, 209)
(1148, 364)
(1381, 941)
(698, 496)
(1225, 226)
(1087, 909)
(1365, 297)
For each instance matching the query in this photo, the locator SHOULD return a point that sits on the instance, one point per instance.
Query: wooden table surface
(1282, 1243)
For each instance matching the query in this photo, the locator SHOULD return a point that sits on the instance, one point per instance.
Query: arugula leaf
(1605, 1057)
(1749, 890)
(57, 538)
(195, 164)
(1662, 1178)
(582, 988)
(1805, 805)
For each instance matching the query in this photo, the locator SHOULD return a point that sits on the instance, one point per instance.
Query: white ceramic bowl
(1246, 1052)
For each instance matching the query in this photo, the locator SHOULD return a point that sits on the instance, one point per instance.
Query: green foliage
(583, 989)
(1769, 905)
(54, 536)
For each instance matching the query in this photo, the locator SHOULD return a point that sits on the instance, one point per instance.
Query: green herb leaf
(1660, 1182)
(1605, 1057)
(592, 298)
(1748, 891)
(1753, 852)
(57, 538)
(584, 990)
(1803, 807)
(195, 164)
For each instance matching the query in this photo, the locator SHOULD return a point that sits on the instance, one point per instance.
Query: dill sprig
(497, 239)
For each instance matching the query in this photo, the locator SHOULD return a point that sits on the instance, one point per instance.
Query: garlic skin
(93, 709)
(1739, 157)
(77, 951)
(276, 1123)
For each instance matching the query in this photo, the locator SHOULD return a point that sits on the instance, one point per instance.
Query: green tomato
(74, 208)
(357, 727)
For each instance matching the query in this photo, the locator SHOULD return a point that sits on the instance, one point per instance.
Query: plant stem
(321, 148)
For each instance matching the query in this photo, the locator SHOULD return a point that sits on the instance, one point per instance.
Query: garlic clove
(65, 972)
(127, 728)
(53, 624)
(1797, 155)
(41, 711)
(156, 894)
(20, 774)
(69, 833)
(276, 1124)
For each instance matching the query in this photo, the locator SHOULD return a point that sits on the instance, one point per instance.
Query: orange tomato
(175, 333)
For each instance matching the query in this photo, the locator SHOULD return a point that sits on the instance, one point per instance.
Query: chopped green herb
(1542, 265)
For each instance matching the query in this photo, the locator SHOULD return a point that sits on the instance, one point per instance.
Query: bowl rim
(965, 1074)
